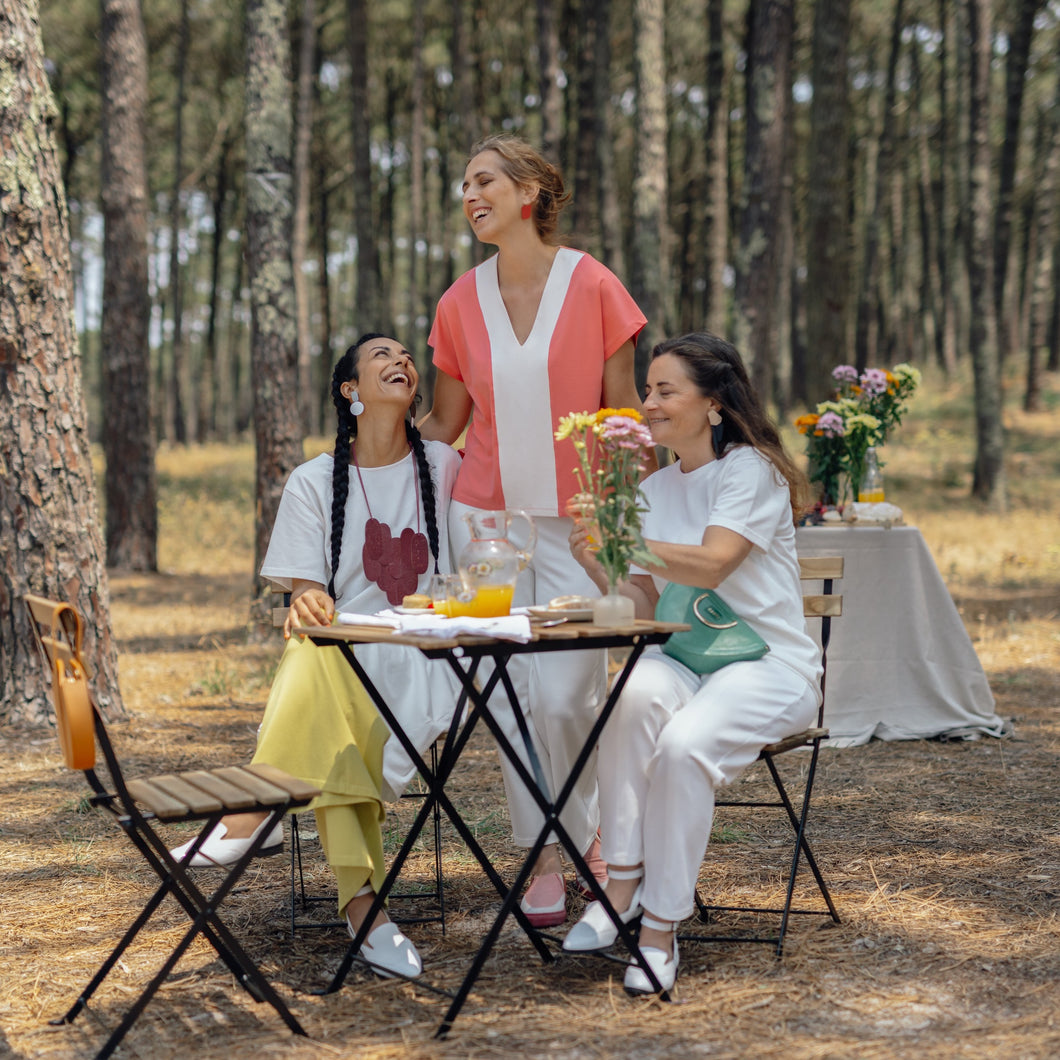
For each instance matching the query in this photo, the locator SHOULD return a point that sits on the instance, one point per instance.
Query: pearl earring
(356, 404)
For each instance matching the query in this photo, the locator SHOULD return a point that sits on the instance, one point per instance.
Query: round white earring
(356, 404)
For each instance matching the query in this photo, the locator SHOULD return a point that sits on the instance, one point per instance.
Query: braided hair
(718, 371)
(346, 370)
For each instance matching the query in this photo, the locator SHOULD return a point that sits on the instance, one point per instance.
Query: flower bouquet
(611, 446)
(861, 415)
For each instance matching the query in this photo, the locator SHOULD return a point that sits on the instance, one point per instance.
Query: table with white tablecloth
(901, 665)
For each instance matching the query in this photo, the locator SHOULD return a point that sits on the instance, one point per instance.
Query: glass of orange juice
(442, 588)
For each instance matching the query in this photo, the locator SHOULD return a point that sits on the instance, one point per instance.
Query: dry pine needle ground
(944, 859)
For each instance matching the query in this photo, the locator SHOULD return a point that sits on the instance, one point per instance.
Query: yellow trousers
(322, 727)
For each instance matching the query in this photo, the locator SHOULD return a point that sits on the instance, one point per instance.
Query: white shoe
(217, 850)
(389, 952)
(661, 963)
(596, 930)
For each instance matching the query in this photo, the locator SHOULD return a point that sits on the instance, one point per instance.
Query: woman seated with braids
(357, 530)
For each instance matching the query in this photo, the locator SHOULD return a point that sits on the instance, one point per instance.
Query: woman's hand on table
(309, 607)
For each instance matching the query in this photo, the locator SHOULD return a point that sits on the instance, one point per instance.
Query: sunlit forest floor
(944, 858)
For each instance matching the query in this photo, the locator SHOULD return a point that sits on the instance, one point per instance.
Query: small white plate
(413, 610)
(571, 614)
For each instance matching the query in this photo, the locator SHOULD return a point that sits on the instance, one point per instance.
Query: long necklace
(393, 563)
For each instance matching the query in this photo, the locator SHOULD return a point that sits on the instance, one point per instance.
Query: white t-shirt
(300, 545)
(743, 493)
(422, 694)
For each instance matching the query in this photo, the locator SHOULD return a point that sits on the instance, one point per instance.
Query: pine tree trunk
(303, 135)
(989, 475)
(716, 237)
(49, 517)
(828, 237)
(867, 331)
(128, 441)
(1043, 287)
(369, 298)
(1019, 49)
(548, 62)
(770, 29)
(273, 318)
(650, 273)
(183, 430)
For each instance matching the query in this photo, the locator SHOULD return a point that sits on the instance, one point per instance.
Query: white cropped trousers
(674, 738)
(563, 691)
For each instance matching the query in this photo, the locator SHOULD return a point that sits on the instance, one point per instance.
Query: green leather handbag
(718, 635)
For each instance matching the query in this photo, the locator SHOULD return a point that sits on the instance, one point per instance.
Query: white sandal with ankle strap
(596, 930)
(661, 963)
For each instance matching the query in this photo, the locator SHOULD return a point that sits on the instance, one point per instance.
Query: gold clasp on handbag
(718, 619)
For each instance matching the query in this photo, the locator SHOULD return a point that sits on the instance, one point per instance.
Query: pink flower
(845, 373)
(830, 425)
(874, 381)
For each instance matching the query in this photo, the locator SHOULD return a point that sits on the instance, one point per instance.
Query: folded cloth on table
(349, 618)
(507, 627)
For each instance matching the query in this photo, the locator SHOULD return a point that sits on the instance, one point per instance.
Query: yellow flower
(804, 423)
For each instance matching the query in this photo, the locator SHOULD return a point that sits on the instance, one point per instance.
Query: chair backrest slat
(820, 567)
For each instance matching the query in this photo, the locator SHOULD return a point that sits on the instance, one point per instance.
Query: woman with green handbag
(722, 516)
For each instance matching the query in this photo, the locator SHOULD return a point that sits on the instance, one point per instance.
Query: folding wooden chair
(825, 606)
(139, 806)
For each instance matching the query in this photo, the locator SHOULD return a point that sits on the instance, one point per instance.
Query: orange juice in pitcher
(490, 563)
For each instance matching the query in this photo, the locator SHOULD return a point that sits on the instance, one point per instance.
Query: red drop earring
(527, 210)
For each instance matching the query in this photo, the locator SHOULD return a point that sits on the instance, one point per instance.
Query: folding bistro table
(465, 654)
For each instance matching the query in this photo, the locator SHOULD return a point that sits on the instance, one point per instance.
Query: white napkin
(508, 627)
(349, 618)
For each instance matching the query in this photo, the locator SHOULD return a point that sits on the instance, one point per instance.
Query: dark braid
(345, 370)
(426, 488)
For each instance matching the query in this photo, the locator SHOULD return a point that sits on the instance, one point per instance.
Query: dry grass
(944, 857)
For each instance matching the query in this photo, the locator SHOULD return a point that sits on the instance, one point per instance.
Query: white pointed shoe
(217, 850)
(661, 963)
(596, 930)
(389, 952)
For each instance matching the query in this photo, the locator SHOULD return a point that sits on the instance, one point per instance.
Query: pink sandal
(545, 901)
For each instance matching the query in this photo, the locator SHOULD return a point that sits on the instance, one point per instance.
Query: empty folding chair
(139, 806)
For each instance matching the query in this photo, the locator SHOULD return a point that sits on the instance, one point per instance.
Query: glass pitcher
(490, 563)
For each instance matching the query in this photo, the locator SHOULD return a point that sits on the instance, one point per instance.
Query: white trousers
(673, 739)
(562, 691)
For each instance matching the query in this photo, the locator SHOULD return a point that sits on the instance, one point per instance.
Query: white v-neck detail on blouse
(521, 393)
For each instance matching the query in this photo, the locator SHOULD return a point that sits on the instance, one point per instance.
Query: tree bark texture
(650, 273)
(307, 69)
(770, 28)
(1015, 83)
(184, 428)
(989, 476)
(551, 97)
(867, 331)
(273, 316)
(49, 519)
(716, 238)
(369, 297)
(128, 437)
(828, 236)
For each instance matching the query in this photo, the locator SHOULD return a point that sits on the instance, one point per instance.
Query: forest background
(247, 187)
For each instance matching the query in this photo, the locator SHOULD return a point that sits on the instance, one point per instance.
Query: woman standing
(533, 333)
(722, 517)
(357, 529)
